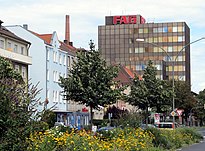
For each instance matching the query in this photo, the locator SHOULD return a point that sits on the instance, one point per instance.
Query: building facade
(130, 41)
(16, 50)
(52, 59)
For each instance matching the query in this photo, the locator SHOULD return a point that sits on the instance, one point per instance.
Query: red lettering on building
(142, 20)
(124, 20)
(116, 19)
(132, 19)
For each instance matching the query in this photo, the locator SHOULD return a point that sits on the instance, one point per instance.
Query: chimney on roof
(25, 26)
(1, 23)
(67, 29)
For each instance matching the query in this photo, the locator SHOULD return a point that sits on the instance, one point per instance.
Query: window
(140, 30)
(22, 51)
(48, 55)
(1, 44)
(181, 29)
(9, 46)
(17, 68)
(56, 59)
(23, 72)
(155, 30)
(54, 56)
(57, 76)
(158, 66)
(160, 30)
(54, 96)
(139, 50)
(140, 67)
(54, 75)
(60, 59)
(170, 49)
(174, 29)
(145, 30)
(64, 60)
(130, 50)
(180, 58)
(15, 48)
(165, 29)
(180, 38)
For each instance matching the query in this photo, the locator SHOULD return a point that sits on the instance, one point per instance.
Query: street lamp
(173, 64)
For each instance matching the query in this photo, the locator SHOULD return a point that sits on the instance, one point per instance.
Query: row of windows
(15, 47)
(143, 30)
(61, 59)
(159, 39)
(56, 75)
(116, 42)
(159, 67)
(57, 97)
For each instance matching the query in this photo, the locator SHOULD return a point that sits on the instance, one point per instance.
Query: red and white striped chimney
(67, 29)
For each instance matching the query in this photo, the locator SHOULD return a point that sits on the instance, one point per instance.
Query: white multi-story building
(52, 59)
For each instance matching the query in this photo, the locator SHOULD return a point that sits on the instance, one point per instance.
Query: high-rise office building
(130, 41)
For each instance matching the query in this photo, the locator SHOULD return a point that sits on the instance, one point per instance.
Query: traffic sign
(173, 113)
(179, 112)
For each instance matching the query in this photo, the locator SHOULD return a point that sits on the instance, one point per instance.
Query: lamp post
(173, 64)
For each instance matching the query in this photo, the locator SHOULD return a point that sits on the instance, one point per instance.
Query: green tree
(199, 109)
(17, 107)
(91, 81)
(150, 92)
(184, 99)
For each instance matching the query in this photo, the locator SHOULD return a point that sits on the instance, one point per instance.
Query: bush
(49, 117)
(159, 139)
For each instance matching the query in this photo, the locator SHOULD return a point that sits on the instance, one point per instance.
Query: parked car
(167, 125)
(144, 126)
(106, 128)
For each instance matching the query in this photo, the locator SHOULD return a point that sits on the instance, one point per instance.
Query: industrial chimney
(67, 29)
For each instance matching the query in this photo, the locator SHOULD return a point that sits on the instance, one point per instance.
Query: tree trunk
(146, 114)
(91, 116)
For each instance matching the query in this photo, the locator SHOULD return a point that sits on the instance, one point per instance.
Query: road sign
(179, 112)
(173, 113)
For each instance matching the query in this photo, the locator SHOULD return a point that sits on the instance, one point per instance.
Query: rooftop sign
(130, 19)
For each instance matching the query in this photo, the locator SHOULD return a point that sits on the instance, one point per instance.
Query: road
(196, 147)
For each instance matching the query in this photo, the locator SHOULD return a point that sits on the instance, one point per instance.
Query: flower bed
(115, 140)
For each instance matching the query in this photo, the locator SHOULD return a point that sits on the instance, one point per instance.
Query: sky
(47, 16)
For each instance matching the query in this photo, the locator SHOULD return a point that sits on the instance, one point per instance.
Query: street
(196, 147)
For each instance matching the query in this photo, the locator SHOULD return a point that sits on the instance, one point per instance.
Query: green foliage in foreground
(127, 139)
(173, 139)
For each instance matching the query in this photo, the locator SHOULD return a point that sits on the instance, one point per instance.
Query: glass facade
(119, 44)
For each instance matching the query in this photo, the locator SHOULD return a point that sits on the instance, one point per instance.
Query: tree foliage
(17, 107)
(150, 92)
(91, 81)
(184, 99)
(199, 109)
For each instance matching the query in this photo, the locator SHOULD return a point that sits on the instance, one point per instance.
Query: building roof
(125, 75)
(47, 39)
(4, 31)
(67, 47)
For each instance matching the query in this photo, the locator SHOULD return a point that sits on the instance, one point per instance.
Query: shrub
(49, 117)
(159, 139)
